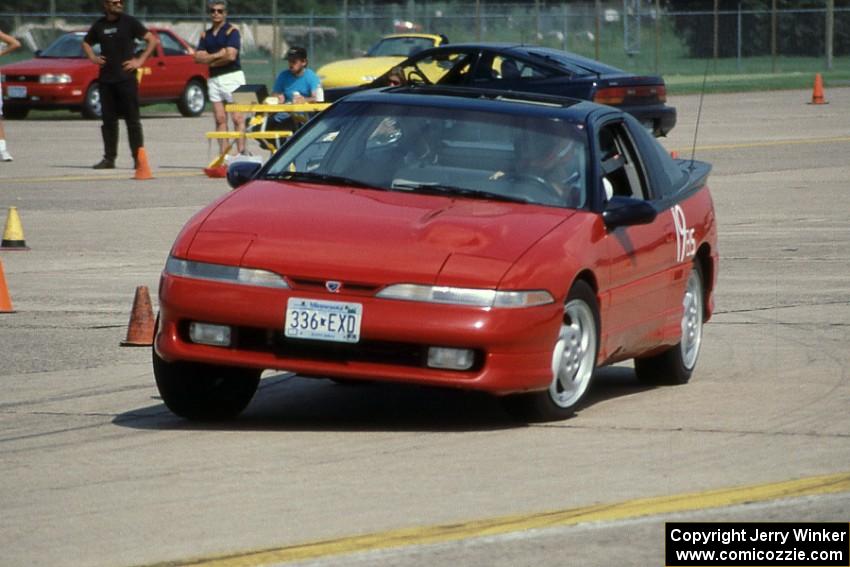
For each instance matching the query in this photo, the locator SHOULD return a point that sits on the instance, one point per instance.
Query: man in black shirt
(116, 33)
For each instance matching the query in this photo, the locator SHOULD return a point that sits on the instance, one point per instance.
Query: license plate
(16, 92)
(323, 320)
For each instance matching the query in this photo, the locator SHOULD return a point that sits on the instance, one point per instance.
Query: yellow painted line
(404, 537)
(838, 139)
(110, 177)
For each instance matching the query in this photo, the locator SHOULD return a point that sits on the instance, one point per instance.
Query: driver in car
(553, 159)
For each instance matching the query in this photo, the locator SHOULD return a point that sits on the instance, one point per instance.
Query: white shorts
(221, 88)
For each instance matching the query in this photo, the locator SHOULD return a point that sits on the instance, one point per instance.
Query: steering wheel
(536, 188)
(417, 72)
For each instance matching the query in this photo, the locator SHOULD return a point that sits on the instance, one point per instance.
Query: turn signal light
(451, 358)
(208, 334)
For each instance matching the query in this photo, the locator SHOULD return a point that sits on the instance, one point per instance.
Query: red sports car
(450, 237)
(61, 77)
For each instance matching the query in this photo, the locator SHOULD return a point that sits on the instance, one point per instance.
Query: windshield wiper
(439, 189)
(320, 178)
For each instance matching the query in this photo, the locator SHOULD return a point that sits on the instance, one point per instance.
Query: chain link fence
(644, 36)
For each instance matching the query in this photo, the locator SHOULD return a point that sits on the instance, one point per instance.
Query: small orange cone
(143, 170)
(5, 300)
(140, 330)
(217, 171)
(13, 235)
(817, 92)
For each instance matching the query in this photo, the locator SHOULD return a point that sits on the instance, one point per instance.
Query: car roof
(548, 54)
(466, 98)
(412, 34)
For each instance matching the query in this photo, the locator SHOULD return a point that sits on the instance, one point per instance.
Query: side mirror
(627, 211)
(241, 172)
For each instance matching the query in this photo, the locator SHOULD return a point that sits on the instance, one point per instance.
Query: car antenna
(699, 113)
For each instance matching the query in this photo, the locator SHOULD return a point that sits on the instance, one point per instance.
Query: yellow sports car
(389, 51)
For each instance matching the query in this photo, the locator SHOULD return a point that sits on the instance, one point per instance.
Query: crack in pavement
(813, 434)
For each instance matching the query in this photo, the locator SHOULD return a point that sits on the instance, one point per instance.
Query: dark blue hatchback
(541, 70)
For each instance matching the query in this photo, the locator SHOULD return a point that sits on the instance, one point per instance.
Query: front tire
(675, 365)
(204, 392)
(91, 103)
(15, 112)
(193, 99)
(573, 362)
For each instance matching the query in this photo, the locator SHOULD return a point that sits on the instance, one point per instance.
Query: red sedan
(61, 77)
(450, 237)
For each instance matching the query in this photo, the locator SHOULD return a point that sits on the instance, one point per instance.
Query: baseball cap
(296, 53)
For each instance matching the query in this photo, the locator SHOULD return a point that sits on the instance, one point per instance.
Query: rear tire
(193, 99)
(204, 392)
(91, 103)
(15, 112)
(573, 362)
(676, 364)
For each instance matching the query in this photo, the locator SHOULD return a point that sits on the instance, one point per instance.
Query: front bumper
(513, 346)
(46, 95)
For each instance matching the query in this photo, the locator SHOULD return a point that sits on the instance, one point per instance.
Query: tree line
(802, 32)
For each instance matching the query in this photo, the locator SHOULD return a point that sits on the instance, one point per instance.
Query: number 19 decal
(686, 245)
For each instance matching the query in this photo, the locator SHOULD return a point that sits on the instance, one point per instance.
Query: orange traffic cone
(817, 92)
(13, 235)
(5, 301)
(143, 170)
(217, 171)
(140, 330)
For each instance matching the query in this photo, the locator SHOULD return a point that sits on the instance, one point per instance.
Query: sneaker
(104, 164)
(5, 155)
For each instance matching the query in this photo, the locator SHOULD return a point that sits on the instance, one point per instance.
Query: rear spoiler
(697, 172)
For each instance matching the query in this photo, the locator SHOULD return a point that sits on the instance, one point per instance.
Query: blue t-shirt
(287, 84)
(227, 36)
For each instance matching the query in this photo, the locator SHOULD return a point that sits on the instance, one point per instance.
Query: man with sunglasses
(219, 48)
(116, 33)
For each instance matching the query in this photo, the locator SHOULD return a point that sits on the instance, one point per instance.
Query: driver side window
(445, 67)
(622, 172)
(171, 46)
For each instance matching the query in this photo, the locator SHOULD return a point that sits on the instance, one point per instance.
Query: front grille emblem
(333, 286)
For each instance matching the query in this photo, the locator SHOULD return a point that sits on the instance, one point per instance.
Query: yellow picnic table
(260, 112)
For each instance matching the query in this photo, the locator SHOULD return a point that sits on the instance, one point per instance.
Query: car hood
(353, 72)
(45, 65)
(369, 236)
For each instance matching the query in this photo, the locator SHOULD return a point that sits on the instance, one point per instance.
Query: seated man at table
(296, 85)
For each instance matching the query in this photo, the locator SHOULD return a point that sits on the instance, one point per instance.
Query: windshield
(400, 46)
(530, 158)
(67, 46)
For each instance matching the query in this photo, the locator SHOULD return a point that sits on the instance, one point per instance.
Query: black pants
(120, 99)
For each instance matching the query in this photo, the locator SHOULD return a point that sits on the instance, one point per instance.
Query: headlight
(51, 78)
(466, 296)
(220, 273)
